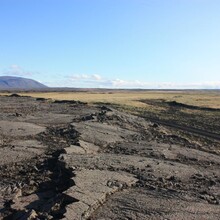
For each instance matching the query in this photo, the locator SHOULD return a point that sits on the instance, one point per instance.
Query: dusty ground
(71, 160)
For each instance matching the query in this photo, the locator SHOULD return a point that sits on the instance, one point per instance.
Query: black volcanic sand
(71, 160)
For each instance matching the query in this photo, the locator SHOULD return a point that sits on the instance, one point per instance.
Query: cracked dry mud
(70, 160)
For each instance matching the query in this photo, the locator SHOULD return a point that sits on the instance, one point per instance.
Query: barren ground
(71, 160)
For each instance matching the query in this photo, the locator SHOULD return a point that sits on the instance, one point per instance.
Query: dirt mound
(68, 102)
(181, 105)
(14, 95)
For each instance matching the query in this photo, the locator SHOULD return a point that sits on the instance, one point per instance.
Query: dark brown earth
(71, 160)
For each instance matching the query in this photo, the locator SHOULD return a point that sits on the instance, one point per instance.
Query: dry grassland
(132, 98)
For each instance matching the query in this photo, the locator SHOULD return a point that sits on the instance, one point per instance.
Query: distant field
(131, 98)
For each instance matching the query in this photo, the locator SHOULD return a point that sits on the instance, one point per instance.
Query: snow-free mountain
(12, 82)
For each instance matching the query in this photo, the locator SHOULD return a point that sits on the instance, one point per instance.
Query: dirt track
(192, 130)
(70, 160)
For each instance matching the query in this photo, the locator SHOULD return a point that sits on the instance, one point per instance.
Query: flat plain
(110, 154)
(205, 98)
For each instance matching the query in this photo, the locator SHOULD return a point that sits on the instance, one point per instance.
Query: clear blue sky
(112, 43)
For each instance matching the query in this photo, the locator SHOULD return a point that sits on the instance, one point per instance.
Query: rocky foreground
(70, 160)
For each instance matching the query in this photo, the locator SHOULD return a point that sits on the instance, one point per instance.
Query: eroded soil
(70, 160)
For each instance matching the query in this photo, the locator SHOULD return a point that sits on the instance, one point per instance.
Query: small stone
(161, 179)
(109, 183)
(30, 215)
(170, 178)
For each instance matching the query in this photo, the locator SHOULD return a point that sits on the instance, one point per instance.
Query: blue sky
(112, 43)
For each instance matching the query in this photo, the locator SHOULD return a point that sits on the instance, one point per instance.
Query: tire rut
(191, 130)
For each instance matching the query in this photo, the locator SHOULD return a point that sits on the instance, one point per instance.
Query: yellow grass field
(131, 98)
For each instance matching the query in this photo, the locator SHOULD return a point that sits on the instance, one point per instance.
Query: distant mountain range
(12, 82)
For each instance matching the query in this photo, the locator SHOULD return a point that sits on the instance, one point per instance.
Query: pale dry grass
(131, 98)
